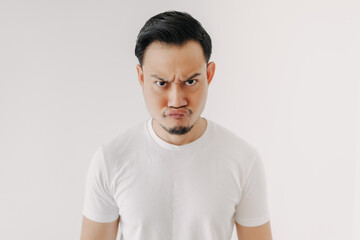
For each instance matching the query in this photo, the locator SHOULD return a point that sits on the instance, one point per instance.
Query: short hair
(172, 27)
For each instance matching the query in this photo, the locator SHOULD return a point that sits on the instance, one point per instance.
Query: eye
(161, 83)
(191, 82)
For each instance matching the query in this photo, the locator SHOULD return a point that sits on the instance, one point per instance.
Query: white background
(287, 81)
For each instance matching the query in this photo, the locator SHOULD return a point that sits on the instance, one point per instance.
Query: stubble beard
(179, 130)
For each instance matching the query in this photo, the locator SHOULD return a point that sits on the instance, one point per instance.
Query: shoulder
(238, 154)
(129, 138)
(231, 142)
(124, 143)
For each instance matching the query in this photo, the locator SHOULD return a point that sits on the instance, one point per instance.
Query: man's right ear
(140, 75)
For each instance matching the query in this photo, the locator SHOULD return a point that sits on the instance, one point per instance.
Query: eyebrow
(160, 78)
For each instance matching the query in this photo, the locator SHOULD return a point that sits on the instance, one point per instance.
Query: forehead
(170, 58)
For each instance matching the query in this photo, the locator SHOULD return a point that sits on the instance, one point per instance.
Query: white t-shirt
(163, 191)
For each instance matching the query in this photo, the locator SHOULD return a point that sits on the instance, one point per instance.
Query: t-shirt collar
(192, 145)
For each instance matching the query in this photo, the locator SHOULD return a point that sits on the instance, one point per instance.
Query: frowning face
(175, 81)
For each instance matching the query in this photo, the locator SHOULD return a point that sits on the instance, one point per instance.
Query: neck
(196, 132)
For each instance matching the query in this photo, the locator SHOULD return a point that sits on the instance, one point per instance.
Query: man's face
(175, 82)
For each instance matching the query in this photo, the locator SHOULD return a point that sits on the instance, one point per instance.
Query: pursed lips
(177, 113)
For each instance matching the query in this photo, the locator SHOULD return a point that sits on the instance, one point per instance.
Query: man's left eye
(190, 82)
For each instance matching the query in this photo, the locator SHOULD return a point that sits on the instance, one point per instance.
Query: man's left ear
(210, 71)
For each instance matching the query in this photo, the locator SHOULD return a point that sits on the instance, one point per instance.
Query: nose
(176, 97)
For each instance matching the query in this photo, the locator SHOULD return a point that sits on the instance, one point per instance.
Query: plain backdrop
(286, 80)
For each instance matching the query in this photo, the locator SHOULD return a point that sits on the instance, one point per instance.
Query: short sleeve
(99, 203)
(252, 209)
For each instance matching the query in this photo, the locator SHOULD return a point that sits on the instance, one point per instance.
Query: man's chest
(176, 190)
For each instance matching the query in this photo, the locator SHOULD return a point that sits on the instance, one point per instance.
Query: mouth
(176, 116)
(177, 113)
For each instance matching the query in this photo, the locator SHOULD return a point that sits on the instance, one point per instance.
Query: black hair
(172, 27)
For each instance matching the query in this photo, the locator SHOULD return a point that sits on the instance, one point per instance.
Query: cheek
(153, 98)
(198, 98)
(201, 94)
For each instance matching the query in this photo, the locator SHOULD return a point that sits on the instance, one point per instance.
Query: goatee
(177, 130)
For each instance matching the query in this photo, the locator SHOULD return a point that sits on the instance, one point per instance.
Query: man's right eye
(161, 83)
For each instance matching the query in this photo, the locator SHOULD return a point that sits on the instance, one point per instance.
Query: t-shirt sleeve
(252, 209)
(99, 204)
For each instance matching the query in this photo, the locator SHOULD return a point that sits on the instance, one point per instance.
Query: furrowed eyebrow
(192, 76)
(156, 76)
(160, 78)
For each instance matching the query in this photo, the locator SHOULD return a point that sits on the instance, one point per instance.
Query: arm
(100, 212)
(262, 232)
(91, 230)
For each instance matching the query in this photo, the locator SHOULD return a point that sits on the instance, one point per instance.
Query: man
(177, 175)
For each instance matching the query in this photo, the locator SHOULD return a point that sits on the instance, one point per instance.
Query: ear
(140, 74)
(210, 71)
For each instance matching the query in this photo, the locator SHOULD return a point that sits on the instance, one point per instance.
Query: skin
(174, 78)
(91, 230)
(262, 232)
(171, 78)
